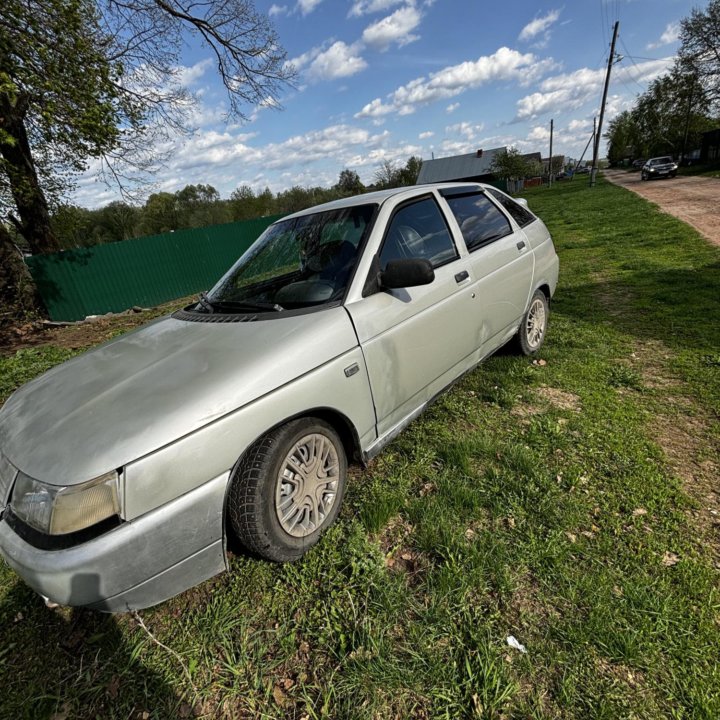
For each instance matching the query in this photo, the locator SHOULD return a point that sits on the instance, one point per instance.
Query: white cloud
(339, 60)
(539, 133)
(227, 158)
(277, 10)
(671, 34)
(301, 61)
(466, 129)
(208, 154)
(539, 26)
(425, 135)
(187, 76)
(570, 91)
(452, 108)
(579, 125)
(367, 7)
(268, 103)
(307, 6)
(375, 109)
(395, 28)
(505, 64)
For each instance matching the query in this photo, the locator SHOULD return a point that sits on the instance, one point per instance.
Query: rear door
(501, 261)
(416, 340)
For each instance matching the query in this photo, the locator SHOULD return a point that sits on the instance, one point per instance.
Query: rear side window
(479, 220)
(521, 215)
(418, 231)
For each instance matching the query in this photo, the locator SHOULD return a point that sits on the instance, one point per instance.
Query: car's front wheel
(531, 333)
(288, 489)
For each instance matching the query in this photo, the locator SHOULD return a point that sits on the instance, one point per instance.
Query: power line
(603, 21)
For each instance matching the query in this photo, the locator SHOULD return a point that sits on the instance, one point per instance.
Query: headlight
(58, 510)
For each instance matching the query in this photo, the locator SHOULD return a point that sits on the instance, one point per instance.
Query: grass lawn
(571, 502)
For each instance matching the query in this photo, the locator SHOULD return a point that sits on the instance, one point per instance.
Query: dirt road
(696, 200)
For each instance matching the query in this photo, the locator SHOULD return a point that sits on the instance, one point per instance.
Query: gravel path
(695, 200)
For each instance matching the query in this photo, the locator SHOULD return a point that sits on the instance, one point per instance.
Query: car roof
(380, 196)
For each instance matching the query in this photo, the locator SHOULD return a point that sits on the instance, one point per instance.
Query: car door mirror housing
(405, 273)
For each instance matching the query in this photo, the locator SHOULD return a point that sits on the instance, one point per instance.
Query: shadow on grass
(679, 308)
(74, 663)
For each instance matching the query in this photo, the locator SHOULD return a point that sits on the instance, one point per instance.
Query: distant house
(475, 167)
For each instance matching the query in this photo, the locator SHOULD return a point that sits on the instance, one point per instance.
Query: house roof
(458, 167)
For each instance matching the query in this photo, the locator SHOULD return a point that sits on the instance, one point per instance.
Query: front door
(417, 340)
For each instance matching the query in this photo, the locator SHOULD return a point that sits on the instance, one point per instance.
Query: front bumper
(136, 565)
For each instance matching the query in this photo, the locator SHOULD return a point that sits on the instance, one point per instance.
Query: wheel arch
(340, 423)
(544, 288)
(338, 420)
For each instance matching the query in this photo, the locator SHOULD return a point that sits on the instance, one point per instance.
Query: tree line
(201, 205)
(670, 117)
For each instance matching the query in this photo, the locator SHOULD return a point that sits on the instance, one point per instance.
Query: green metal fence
(144, 271)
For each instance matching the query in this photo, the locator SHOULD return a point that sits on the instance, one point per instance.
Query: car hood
(135, 394)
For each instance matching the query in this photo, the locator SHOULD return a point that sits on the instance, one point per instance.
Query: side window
(418, 231)
(521, 215)
(479, 220)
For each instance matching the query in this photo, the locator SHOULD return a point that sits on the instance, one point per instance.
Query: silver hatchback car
(123, 470)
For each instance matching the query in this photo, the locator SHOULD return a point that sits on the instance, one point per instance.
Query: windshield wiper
(244, 304)
(205, 303)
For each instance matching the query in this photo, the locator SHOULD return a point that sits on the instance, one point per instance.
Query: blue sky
(386, 79)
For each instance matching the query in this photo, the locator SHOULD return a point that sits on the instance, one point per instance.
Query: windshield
(661, 161)
(295, 263)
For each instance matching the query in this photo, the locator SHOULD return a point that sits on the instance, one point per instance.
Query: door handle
(464, 275)
(521, 245)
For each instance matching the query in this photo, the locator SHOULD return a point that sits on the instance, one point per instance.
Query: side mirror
(406, 273)
(521, 201)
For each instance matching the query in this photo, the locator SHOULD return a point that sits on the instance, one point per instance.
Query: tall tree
(409, 174)
(349, 182)
(387, 175)
(699, 53)
(83, 79)
(59, 104)
(511, 165)
(668, 118)
(623, 137)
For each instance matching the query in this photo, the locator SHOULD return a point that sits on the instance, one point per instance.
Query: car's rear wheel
(288, 489)
(531, 333)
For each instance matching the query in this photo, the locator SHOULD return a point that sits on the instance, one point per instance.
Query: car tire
(287, 489)
(643, 176)
(533, 327)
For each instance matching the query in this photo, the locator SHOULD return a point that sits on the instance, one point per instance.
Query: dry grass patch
(560, 399)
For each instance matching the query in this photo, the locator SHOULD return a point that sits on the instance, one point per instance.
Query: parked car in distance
(659, 167)
(123, 470)
(637, 164)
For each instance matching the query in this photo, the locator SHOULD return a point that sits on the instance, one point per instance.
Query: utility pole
(550, 172)
(598, 134)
